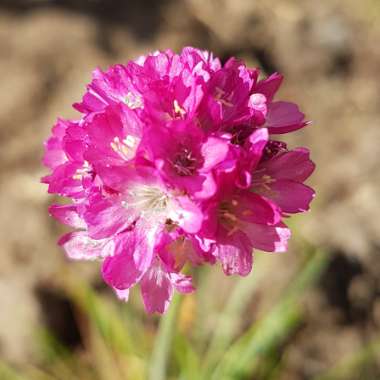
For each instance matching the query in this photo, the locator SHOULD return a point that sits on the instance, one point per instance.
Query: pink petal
(106, 217)
(133, 256)
(255, 146)
(284, 117)
(254, 208)
(291, 196)
(235, 254)
(54, 153)
(294, 165)
(208, 189)
(79, 246)
(268, 238)
(269, 86)
(63, 180)
(182, 283)
(67, 214)
(188, 215)
(156, 290)
(214, 151)
(120, 271)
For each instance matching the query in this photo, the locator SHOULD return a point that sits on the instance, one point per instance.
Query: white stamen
(178, 110)
(133, 101)
(81, 172)
(126, 148)
(148, 199)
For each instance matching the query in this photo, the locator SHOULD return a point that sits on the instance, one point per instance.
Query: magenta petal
(91, 103)
(67, 214)
(284, 117)
(244, 179)
(188, 215)
(294, 165)
(254, 208)
(63, 180)
(113, 136)
(235, 254)
(269, 86)
(209, 187)
(258, 139)
(113, 85)
(268, 238)
(105, 218)
(120, 271)
(291, 196)
(214, 151)
(79, 246)
(156, 290)
(133, 256)
(182, 283)
(117, 177)
(54, 158)
(104, 127)
(255, 145)
(54, 153)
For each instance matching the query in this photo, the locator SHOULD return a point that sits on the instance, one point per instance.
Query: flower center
(227, 217)
(184, 163)
(148, 199)
(221, 97)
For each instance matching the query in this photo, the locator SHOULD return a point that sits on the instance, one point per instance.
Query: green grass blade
(264, 335)
(229, 320)
(260, 340)
(107, 317)
(187, 359)
(161, 350)
(8, 373)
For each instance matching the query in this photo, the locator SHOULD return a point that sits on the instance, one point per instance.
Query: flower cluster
(174, 160)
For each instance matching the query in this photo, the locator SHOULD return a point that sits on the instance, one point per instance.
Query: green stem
(161, 349)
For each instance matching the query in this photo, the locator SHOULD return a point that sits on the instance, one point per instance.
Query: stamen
(218, 96)
(227, 217)
(178, 110)
(184, 163)
(126, 148)
(133, 101)
(83, 171)
(148, 199)
(262, 185)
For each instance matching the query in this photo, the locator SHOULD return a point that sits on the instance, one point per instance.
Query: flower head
(173, 162)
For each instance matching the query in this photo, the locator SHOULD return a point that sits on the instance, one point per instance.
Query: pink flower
(239, 220)
(185, 157)
(64, 156)
(281, 178)
(173, 162)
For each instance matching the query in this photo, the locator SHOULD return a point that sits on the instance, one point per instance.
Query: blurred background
(312, 313)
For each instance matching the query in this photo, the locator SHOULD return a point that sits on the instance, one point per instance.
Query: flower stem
(161, 349)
